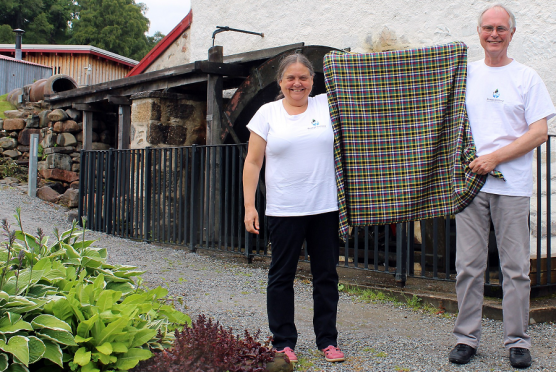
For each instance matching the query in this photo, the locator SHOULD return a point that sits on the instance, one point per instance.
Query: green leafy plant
(62, 307)
(9, 168)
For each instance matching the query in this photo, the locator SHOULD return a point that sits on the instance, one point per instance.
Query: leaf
(132, 357)
(18, 346)
(70, 251)
(81, 340)
(82, 356)
(85, 326)
(19, 325)
(107, 299)
(124, 287)
(111, 330)
(50, 322)
(4, 296)
(53, 352)
(3, 362)
(90, 368)
(105, 348)
(119, 347)
(17, 367)
(61, 337)
(143, 336)
(104, 359)
(36, 349)
(83, 244)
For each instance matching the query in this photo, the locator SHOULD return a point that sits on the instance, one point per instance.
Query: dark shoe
(462, 354)
(520, 357)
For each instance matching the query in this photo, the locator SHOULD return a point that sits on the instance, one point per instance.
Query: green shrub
(62, 307)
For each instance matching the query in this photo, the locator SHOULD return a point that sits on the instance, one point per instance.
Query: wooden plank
(124, 125)
(87, 130)
(86, 107)
(260, 54)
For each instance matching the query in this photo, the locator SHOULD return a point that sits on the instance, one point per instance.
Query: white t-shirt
(501, 104)
(299, 174)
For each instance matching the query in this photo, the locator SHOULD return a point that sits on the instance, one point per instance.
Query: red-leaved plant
(208, 347)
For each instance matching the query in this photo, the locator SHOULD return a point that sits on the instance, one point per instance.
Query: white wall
(374, 25)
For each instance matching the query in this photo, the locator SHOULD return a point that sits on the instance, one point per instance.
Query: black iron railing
(193, 197)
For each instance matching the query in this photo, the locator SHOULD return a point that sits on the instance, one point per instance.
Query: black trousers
(287, 235)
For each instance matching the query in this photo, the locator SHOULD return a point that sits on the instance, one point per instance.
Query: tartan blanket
(402, 139)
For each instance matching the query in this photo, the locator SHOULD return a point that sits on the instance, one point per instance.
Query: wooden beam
(220, 68)
(214, 99)
(124, 126)
(119, 100)
(86, 107)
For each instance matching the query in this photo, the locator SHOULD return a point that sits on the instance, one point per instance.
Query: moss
(5, 105)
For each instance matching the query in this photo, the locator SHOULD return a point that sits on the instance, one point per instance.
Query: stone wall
(167, 119)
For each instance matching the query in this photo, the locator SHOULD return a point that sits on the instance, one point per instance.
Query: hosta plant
(62, 307)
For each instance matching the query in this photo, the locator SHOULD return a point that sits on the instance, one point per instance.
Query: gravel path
(374, 336)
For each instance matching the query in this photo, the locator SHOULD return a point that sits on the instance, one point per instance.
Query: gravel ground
(374, 336)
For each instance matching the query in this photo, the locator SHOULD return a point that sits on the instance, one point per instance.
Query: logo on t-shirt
(496, 96)
(315, 125)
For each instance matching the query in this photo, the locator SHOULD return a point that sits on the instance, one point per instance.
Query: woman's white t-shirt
(501, 104)
(299, 174)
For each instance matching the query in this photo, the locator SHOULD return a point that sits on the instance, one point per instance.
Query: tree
(115, 25)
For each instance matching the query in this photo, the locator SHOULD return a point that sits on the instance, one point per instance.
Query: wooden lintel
(119, 100)
(219, 68)
(85, 107)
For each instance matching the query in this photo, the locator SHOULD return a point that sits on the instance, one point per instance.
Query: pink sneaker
(289, 353)
(333, 354)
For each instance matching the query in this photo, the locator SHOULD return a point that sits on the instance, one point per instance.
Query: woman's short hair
(290, 60)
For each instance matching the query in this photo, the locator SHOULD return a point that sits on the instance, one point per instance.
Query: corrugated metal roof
(21, 61)
(50, 48)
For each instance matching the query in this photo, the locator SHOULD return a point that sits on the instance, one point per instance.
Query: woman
(295, 134)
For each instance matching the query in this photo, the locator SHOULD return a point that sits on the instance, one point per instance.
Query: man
(508, 107)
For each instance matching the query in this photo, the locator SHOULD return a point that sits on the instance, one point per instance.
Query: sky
(165, 14)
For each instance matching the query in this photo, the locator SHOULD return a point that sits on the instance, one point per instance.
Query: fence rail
(193, 197)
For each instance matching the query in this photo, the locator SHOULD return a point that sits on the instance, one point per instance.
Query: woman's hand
(251, 220)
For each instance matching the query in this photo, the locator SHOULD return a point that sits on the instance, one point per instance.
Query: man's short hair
(512, 17)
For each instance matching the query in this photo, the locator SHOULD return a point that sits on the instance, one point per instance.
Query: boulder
(71, 126)
(43, 118)
(57, 115)
(74, 114)
(54, 185)
(61, 150)
(70, 198)
(49, 140)
(73, 215)
(13, 134)
(1, 124)
(58, 127)
(8, 143)
(59, 174)
(11, 153)
(22, 148)
(75, 167)
(24, 137)
(279, 364)
(14, 124)
(46, 193)
(106, 137)
(33, 121)
(66, 139)
(100, 146)
(59, 161)
(15, 114)
(75, 185)
(1, 150)
(42, 165)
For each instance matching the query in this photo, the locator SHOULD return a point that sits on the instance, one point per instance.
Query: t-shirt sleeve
(322, 102)
(259, 123)
(538, 104)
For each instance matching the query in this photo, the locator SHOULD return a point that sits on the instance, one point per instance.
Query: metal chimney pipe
(18, 36)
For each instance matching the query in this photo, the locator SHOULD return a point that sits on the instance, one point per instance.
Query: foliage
(115, 25)
(63, 307)
(208, 347)
(9, 168)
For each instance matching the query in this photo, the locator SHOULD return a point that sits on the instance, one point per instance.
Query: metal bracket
(220, 29)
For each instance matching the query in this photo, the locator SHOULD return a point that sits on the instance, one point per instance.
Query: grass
(414, 303)
(5, 105)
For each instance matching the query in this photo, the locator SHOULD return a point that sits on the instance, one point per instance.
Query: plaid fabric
(402, 140)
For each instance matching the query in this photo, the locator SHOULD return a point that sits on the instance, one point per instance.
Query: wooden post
(214, 99)
(87, 130)
(214, 132)
(124, 124)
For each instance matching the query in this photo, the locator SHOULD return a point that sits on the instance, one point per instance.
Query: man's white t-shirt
(501, 104)
(299, 174)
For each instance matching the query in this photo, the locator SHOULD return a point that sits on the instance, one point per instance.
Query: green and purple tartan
(402, 139)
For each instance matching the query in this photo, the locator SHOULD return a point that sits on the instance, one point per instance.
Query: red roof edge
(162, 45)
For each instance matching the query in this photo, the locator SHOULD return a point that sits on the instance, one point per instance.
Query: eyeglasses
(501, 30)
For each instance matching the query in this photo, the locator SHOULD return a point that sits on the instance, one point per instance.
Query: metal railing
(193, 197)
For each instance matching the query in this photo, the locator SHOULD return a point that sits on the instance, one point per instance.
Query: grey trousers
(510, 217)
